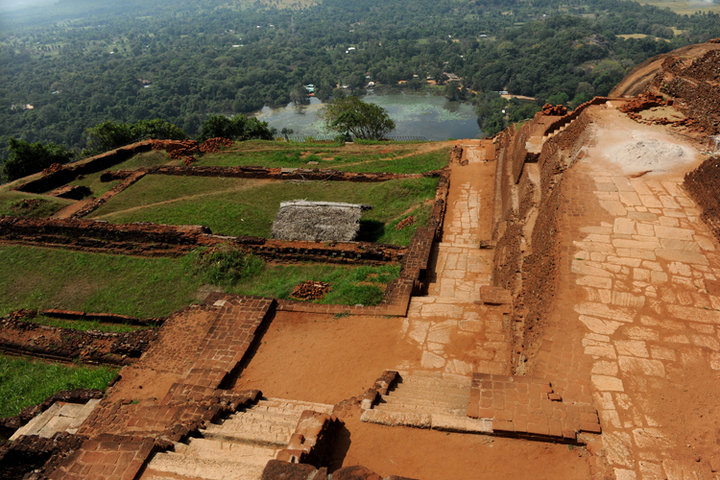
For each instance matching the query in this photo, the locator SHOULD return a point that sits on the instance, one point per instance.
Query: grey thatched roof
(317, 221)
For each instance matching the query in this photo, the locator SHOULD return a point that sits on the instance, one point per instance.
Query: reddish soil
(435, 455)
(322, 358)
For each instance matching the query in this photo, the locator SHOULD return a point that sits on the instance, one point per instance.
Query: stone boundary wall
(92, 347)
(703, 184)
(148, 239)
(519, 154)
(566, 119)
(526, 249)
(270, 173)
(53, 178)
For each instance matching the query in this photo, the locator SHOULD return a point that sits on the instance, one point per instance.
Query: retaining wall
(148, 239)
(56, 177)
(526, 231)
(703, 184)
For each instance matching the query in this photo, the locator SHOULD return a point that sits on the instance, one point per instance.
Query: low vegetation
(28, 205)
(348, 285)
(233, 206)
(156, 287)
(83, 325)
(37, 278)
(393, 157)
(28, 382)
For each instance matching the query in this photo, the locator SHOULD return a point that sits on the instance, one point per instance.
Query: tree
(26, 158)
(352, 116)
(238, 127)
(110, 135)
(286, 132)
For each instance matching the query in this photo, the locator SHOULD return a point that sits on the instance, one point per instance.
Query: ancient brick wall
(703, 184)
(280, 173)
(57, 177)
(526, 249)
(168, 240)
(93, 347)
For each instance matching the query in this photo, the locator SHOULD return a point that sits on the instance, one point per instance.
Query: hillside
(75, 65)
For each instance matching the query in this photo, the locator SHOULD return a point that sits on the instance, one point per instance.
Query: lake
(429, 117)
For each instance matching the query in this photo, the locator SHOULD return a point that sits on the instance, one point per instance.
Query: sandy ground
(434, 455)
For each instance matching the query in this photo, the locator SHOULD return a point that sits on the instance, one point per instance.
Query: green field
(38, 278)
(234, 206)
(29, 205)
(147, 159)
(83, 325)
(376, 157)
(28, 382)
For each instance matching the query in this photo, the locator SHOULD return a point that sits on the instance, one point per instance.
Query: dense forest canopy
(80, 63)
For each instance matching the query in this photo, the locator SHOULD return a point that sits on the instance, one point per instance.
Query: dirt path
(638, 306)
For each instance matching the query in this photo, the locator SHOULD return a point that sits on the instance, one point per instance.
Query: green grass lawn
(233, 206)
(29, 204)
(420, 163)
(349, 285)
(38, 278)
(145, 159)
(28, 382)
(399, 157)
(84, 325)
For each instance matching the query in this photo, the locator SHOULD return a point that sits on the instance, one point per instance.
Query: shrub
(226, 266)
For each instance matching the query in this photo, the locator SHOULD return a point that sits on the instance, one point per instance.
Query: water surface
(419, 116)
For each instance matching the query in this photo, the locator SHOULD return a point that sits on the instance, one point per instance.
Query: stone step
(413, 407)
(431, 385)
(206, 469)
(425, 391)
(434, 384)
(150, 474)
(295, 405)
(214, 449)
(424, 403)
(437, 421)
(269, 417)
(259, 434)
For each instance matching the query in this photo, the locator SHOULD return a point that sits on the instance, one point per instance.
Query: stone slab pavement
(458, 334)
(637, 323)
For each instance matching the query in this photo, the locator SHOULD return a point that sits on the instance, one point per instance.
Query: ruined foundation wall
(527, 248)
(52, 178)
(703, 184)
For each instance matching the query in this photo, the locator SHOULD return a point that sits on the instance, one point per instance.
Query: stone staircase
(428, 400)
(236, 449)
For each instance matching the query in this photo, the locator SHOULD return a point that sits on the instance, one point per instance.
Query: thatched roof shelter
(317, 221)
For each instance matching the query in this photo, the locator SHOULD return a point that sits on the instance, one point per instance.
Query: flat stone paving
(456, 334)
(637, 319)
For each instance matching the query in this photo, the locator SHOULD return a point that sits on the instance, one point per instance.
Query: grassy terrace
(28, 382)
(234, 206)
(29, 205)
(84, 325)
(155, 287)
(382, 157)
(146, 159)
